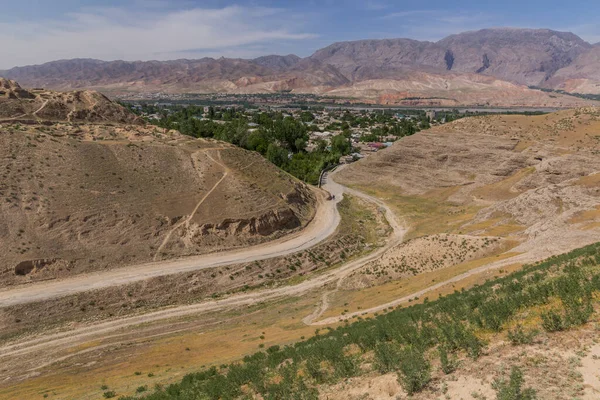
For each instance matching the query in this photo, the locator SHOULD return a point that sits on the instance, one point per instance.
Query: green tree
(276, 155)
(341, 145)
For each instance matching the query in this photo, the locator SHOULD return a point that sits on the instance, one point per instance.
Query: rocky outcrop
(28, 266)
(263, 225)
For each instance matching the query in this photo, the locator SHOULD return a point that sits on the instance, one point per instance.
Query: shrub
(512, 390)
(141, 389)
(552, 321)
(448, 365)
(518, 336)
(387, 358)
(415, 371)
(109, 394)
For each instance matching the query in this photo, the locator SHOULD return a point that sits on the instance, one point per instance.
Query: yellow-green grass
(355, 300)
(427, 214)
(503, 190)
(226, 337)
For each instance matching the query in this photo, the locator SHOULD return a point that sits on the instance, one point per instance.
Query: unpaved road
(28, 353)
(323, 225)
(54, 345)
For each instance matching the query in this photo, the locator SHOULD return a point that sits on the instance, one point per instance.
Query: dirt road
(54, 347)
(327, 218)
(323, 225)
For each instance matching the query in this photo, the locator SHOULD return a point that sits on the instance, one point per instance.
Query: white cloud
(151, 33)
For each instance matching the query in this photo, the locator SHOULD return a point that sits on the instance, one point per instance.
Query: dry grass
(217, 339)
(354, 300)
(504, 189)
(426, 214)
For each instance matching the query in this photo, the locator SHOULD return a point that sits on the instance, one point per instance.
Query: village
(366, 130)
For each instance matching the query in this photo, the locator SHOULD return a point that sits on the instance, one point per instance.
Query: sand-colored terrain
(81, 197)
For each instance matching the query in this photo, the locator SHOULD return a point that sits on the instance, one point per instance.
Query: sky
(38, 31)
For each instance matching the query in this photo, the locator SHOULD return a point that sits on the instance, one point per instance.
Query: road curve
(323, 225)
(56, 343)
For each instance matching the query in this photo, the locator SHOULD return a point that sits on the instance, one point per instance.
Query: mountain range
(478, 67)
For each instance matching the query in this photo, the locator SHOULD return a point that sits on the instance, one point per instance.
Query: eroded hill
(531, 182)
(82, 197)
(21, 105)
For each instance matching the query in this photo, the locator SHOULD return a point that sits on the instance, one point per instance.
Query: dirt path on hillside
(52, 347)
(187, 220)
(323, 225)
(61, 345)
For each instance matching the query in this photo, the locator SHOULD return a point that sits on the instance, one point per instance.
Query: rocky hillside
(581, 76)
(541, 57)
(533, 180)
(525, 56)
(88, 196)
(18, 104)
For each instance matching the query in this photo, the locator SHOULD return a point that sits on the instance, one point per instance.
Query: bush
(415, 371)
(518, 336)
(141, 389)
(387, 358)
(110, 394)
(448, 365)
(512, 390)
(578, 314)
(553, 321)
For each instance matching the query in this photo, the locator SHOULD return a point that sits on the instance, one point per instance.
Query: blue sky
(36, 31)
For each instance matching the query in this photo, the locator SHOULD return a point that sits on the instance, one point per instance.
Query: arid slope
(21, 105)
(534, 181)
(82, 197)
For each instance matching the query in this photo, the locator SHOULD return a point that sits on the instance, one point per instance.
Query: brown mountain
(277, 62)
(581, 76)
(527, 57)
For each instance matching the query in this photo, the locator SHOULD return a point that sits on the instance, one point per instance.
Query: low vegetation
(285, 139)
(408, 340)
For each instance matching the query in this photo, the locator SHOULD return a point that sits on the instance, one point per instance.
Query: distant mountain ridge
(529, 57)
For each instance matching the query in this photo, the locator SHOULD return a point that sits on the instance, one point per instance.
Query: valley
(210, 250)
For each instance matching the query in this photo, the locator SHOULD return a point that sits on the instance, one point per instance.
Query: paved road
(323, 225)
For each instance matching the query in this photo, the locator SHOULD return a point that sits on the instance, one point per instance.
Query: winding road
(53, 347)
(323, 225)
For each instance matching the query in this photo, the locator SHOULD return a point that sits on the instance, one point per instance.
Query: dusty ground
(95, 198)
(424, 254)
(530, 193)
(362, 228)
(559, 366)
